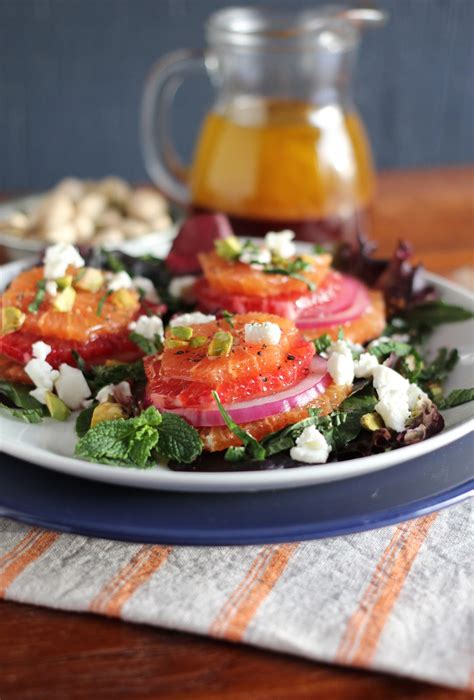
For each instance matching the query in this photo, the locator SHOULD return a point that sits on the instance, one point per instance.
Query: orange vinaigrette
(275, 164)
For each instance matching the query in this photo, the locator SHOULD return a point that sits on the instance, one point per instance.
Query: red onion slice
(359, 304)
(300, 394)
(348, 288)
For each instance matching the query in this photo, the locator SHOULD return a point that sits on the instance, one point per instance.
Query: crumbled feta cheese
(387, 380)
(416, 398)
(191, 319)
(40, 372)
(281, 243)
(147, 326)
(71, 387)
(341, 347)
(103, 394)
(147, 287)
(267, 333)
(119, 280)
(179, 285)
(51, 288)
(340, 362)
(58, 258)
(40, 350)
(311, 447)
(257, 257)
(365, 365)
(397, 397)
(341, 368)
(394, 410)
(121, 392)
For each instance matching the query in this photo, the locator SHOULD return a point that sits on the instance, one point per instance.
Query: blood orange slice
(230, 278)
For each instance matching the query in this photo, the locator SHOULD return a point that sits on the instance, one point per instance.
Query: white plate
(18, 247)
(51, 444)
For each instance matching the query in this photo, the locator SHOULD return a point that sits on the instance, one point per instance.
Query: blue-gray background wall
(71, 74)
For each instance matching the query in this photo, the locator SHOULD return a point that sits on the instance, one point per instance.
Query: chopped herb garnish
(322, 343)
(80, 362)
(33, 307)
(112, 261)
(319, 249)
(292, 269)
(252, 446)
(102, 301)
(228, 317)
(149, 346)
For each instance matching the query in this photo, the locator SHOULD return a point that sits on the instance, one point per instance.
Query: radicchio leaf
(402, 283)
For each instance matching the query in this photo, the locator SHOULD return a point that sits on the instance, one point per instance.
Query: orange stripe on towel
(28, 550)
(365, 627)
(238, 612)
(111, 599)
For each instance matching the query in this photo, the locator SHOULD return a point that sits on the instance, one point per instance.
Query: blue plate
(53, 500)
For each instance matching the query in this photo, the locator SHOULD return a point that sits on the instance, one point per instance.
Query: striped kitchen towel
(397, 599)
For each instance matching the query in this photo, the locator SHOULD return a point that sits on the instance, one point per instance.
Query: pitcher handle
(161, 159)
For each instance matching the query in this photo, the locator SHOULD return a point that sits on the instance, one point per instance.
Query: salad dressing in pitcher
(283, 145)
(283, 164)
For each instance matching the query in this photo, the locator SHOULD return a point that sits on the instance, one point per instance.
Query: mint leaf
(441, 366)
(435, 313)
(386, 348)
(149, 347)
(101, 375)
(19, 395)
(83, 420)
(361, 402)
(27, 415)
(128, 442)
(455, 398)
(284, 439)
(178, 441)
(253, 448)
(235, 454)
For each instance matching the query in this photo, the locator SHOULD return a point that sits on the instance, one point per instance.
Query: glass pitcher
(283, 145)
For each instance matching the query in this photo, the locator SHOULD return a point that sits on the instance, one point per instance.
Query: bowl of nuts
(107, 213)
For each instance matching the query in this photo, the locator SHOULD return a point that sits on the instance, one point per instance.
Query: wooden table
(48, 654)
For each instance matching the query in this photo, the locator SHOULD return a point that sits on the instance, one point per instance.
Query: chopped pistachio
(12, 319)
(228, 248)
(91, 281)
(106, 411)
(64, 301)
(182, 332)
(56, 407)
(198, 341)
(371, 421)
(435, 390)
(221, 344)
(123, 298)
(64, 282)
(173, 343)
